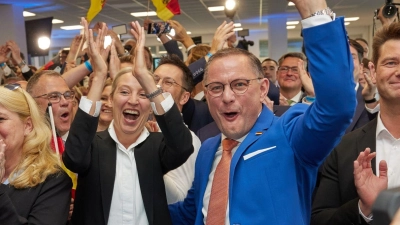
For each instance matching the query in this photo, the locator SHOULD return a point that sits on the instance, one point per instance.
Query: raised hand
(369, 89)
(115, 63)
(74, 49)
(2, 159)
(308, 7)
(140, 68)
(305, 79)
(15, 51)
(3, 53)
(96, 49)
(369, 185)
(223, 32)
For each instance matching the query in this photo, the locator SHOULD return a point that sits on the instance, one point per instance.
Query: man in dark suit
(120, 170)
(361, 116)
(344, 198)
(275, 159)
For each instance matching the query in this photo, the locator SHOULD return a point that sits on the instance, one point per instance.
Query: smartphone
(159, 28)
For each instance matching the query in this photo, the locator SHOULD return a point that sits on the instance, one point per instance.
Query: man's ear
(184, 98)
(28, 126)
(264, 87)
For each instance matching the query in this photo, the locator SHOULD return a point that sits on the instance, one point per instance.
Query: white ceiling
(195, 17)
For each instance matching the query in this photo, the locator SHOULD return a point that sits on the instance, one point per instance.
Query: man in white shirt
(175, 78)
(344, 198)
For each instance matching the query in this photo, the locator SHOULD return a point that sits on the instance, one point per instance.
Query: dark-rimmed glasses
(238, 86)
(285, 69)
(55, 97)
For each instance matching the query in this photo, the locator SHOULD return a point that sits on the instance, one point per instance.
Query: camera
(385, 207)
(158, 28)
(388, 11)
(244, 43)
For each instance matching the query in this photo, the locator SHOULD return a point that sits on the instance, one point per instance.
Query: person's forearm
(75, 75)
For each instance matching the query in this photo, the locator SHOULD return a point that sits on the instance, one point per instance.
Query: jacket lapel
(262, 124)
(107, 163)
(368, 140)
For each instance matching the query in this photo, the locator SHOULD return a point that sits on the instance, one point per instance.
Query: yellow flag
(95, 7)
(166, 9)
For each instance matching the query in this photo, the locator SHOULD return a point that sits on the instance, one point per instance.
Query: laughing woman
(106, 115)
(34, 189)
(120, 170)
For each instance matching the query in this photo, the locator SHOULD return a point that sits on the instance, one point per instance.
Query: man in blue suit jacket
(273, 169)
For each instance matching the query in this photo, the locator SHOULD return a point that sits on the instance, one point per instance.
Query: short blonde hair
(37, 160)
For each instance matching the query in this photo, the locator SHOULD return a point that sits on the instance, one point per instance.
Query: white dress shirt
(179, 181)
(207, 194)
(388, 149)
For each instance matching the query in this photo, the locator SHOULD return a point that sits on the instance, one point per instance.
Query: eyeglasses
(12, 87)
(238, 86)
(285, 69)
(167, 82)
(55, 97)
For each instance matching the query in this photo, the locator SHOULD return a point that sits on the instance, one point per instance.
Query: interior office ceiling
(195, 17)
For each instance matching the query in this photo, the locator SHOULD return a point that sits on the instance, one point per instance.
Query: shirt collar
(142, 137)
(296, 98)
(381, 129)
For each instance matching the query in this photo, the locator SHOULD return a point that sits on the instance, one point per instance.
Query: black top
(46, 203)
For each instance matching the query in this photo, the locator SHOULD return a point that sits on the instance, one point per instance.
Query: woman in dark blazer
(98, 158)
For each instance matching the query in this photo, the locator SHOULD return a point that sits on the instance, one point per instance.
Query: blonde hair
(198, 52)
(37, 158)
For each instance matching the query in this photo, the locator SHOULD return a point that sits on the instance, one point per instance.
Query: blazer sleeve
(173, 49)
(315, 133)
(184, 212)
(50, 207)
(177, 145)
(328, 208)
(77, 154)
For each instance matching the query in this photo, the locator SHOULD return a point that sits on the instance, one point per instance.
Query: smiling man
(262, 169)
(49, 86)
(289, 78)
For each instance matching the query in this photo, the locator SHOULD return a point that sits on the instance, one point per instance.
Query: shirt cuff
(7, 70)
(374, 110)
(86, 104)
(190, 48)
(25, 68)
(314, 21)
(367, 219)
(166, 104)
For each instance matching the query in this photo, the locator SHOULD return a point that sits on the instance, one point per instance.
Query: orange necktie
(220, 186)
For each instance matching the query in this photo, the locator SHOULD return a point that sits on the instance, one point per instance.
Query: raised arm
(315, 133)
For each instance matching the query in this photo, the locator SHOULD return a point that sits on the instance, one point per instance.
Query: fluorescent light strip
(28, 14)
(55, 21)
(73, 27)
(237, 24)
(349, 19)
(292, 22)
(290, 27)
(237, 28)
(216, 8)
(188, 32)
(143, 14)
(346, 23)
(291, 4)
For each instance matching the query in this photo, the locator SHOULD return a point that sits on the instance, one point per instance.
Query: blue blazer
(272, 174)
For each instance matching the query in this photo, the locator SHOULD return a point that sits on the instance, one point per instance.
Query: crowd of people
(221, 138)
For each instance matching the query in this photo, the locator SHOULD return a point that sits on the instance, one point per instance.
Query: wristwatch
(22, 64)
(154, 94)
(326, 11)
